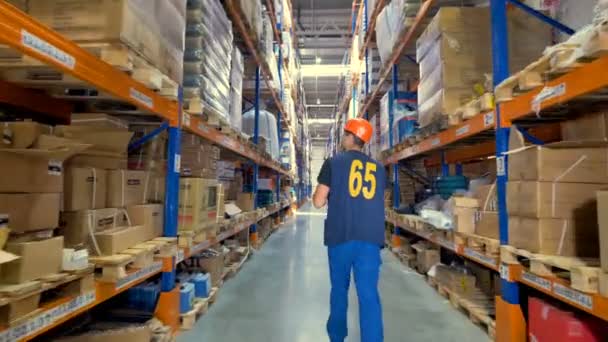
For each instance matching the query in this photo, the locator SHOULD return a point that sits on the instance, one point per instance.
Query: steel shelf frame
(27, 35)
(511, 325)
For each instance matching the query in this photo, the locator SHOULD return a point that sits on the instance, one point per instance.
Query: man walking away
(352, 185)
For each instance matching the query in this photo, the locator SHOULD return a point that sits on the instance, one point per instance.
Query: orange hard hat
(361, 128)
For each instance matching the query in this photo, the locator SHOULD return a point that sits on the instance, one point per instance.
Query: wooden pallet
(33, 73)
(479, 308)
(582, 273)
(559, 59)
(22, 301)
(189, 239)
(484, 245)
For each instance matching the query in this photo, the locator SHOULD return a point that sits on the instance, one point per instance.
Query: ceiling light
(318, 60)
(312, 70)
(318, 101)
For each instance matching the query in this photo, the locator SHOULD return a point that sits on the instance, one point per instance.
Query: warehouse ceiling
(324, 35)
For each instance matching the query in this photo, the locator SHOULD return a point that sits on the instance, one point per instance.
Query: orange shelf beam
(197, 126)
(236, 16)
(479, 123)
(273, 19)
(23, 33)
(586, 79)
(371, 27)
(397, 51)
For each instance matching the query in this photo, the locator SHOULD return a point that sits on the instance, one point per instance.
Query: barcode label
(41, 46)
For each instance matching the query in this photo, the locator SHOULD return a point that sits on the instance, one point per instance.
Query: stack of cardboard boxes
(551, 195)
(73, 178)
(454, 55)
(31, 187)
(201, 195)
(105, 204)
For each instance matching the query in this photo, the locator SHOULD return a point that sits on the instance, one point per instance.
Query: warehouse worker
(352, 185)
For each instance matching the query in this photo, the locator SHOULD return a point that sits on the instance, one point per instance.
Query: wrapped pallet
(455, 58)
(153, 29)
(208, 56)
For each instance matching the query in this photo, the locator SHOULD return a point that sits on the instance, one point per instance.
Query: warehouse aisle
(281, 295)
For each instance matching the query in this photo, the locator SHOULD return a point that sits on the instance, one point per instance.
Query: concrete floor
(282, 295)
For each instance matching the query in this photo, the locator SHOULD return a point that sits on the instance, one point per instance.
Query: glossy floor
(281, 295)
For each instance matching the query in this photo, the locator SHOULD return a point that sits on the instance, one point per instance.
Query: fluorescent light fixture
(320, 121)
(318, 60)
(318, 101)
(312, 70)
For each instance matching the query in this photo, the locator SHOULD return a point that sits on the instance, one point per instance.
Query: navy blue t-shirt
(355, 208)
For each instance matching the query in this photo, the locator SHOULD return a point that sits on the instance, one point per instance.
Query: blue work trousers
(364, 259)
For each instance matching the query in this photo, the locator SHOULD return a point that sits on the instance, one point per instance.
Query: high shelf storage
(534, 98)
(32, 39)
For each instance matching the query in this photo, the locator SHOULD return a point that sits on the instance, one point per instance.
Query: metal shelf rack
(491, 131)
(25, 34)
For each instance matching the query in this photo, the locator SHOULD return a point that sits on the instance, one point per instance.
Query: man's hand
(319, 199)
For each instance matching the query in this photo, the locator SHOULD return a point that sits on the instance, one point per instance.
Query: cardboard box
(461, 283)
(99, 121)
(486, 196)
(84, 188)
(603, 283)
(486, 224)
(75, 225)
(38, 259)
(156, 189)
(245, 201)
(464, 220)
(21, 134)
(602, 220)
(552, 200)
(105, 162)
(150, 216)
(564, 237)
(425, 259)
(566, 162)
(126, 187)
(31, 212)
(197, 203)
(593, 127)
(116, 240)
(214, 265)
(38, 169)
(113, 141)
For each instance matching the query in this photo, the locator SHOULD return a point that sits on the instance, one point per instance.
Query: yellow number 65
(356, 179)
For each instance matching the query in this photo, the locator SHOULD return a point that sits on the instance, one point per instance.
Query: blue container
(144, 296)
(202, 285)
(186, 297)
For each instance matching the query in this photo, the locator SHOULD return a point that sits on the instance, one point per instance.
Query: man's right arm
(319, 199)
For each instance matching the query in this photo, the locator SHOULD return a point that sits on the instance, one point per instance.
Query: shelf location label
(435, 142)
(141, 98)
(139, 275)
(536, 280)
(488, 119)
(47, 49)
(579, 298)
(463, 130)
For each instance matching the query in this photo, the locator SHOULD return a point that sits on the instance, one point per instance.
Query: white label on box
(47, 318)
(480, 257)
(180, 256)
(536, 280)
(55, 168)
(488, 119)
(139, 275)
(141, 98)
(186, 120)
(178, 163)
(463, 130)
(574, 296)
(43, 47)
(504, 272)
(500, 166)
